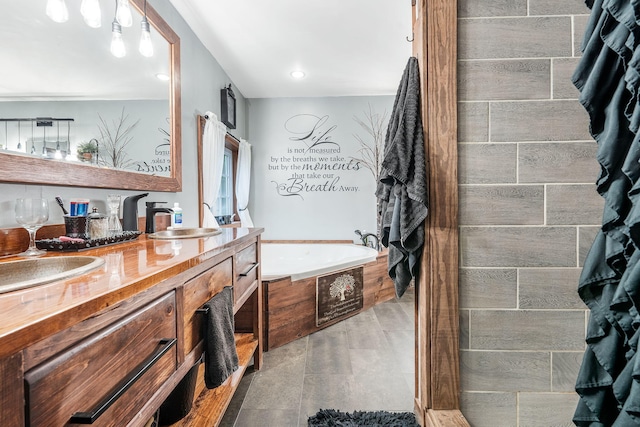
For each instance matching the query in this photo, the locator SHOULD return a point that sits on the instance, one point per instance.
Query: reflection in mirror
(88, 108)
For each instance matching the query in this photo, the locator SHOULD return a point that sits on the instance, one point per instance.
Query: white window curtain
(243, 181)
(212, 162)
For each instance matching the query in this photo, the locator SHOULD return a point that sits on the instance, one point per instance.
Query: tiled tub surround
(528, 210)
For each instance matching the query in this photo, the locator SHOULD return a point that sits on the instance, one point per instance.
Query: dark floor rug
(333, 418)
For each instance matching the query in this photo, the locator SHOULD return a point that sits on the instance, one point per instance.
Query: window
(224, 203)
(226, 200)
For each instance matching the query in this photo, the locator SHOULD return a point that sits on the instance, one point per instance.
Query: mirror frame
(23, 169)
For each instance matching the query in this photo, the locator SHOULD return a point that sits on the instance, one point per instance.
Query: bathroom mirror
(60, 73)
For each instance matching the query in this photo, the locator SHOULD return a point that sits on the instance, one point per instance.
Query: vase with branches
(114, 140)
(371, 152)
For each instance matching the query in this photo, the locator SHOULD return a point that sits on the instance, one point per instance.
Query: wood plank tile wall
(528, 209)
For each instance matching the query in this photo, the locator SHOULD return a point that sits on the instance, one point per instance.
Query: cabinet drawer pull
(89, 417)
(246, 273)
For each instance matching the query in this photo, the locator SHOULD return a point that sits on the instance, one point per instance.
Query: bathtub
(303, 260)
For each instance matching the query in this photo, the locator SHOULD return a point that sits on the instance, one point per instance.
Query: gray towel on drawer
(220, 357)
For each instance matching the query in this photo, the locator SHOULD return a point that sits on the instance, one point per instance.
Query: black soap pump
(130, 212)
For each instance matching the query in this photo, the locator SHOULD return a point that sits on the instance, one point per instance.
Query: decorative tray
(59, 245)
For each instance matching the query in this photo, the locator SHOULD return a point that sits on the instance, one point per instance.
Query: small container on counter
(98, 225)
(75, 226)
(79, 207)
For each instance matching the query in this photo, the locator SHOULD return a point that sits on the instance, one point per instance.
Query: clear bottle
(113, 204)
(176, 216)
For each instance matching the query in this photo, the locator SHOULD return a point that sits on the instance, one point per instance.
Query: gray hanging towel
(220, 357)
(403, 186)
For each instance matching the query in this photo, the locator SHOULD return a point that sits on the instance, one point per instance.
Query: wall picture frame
(228, 107)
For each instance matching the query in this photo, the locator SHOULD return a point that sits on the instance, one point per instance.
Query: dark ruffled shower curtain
(608, 78)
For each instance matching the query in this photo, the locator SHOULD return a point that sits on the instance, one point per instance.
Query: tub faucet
(152, 210)
(369, 239)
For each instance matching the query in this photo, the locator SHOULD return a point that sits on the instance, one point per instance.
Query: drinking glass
(32, 214)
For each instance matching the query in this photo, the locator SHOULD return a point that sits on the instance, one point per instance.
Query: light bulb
(123, 13)
(146, 47)
(90, 10)
(57, 10)
(117, 44)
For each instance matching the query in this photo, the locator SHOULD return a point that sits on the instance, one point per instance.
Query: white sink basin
(185, 233)
(26, 273)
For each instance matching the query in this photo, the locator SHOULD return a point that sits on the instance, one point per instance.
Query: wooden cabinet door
(198, 291)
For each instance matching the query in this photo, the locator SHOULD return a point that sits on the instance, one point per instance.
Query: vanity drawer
(198, 291)
(246, 271)
(138, 351)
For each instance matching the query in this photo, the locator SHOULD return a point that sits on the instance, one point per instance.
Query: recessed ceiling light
(162, 76)
(297, 74)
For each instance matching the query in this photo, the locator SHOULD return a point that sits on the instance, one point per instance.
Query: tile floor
(365, 362)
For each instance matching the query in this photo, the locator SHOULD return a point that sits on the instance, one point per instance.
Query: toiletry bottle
(176, 216)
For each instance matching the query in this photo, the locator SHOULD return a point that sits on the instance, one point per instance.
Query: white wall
(290, 200)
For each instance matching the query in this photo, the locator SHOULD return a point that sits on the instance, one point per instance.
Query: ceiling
(345, 47)
(45, 60)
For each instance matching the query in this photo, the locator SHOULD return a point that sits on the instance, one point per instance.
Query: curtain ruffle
(608, 78)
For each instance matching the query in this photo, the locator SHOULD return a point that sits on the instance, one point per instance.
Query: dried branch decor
(114, 141)
(372, 153)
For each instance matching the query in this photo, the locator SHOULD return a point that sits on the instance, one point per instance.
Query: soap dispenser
(176, 216)
(130, 212)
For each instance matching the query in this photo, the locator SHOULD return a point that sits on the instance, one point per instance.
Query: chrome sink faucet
(152, 210)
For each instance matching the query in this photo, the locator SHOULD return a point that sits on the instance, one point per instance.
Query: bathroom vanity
(109, 346)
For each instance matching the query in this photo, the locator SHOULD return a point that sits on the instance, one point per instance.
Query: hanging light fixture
(117, 44)
(58, 154)
(69, 156)
(33, 145)
(44, 142)
(57, 10)
(19, 136)
(146, 47)
(123, 13)
(90, 10)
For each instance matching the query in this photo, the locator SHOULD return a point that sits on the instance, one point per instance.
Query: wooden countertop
(29, 315)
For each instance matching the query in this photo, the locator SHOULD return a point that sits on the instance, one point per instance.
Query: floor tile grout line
(304, 373)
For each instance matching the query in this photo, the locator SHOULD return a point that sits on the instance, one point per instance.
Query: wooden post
(437, 329)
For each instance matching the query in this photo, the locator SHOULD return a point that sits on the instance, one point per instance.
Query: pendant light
(69, 157)
(57, 10)
(44, 141)
(58, 154)
(123, 13)
(33, 145)
(90, 10)
(19, 147)
(146, 47)
(117, 44)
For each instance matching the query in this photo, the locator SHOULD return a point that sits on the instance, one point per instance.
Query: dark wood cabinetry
(116, 356)
(87, 381)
